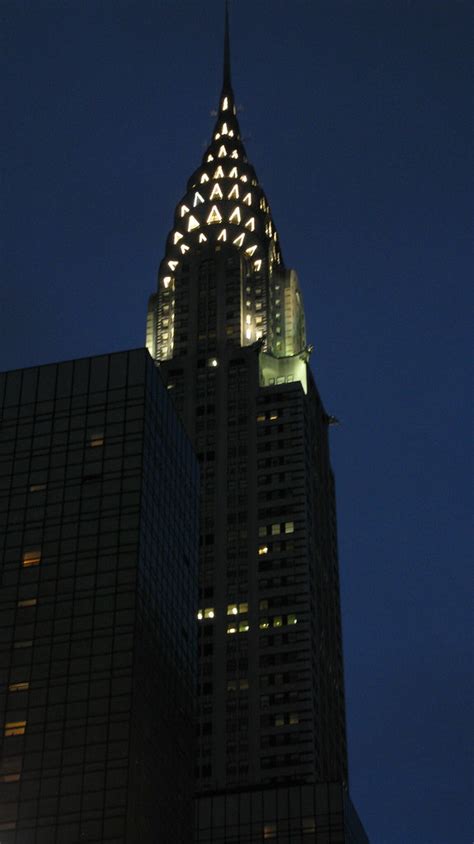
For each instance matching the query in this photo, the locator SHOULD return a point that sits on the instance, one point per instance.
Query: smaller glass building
(98, 545)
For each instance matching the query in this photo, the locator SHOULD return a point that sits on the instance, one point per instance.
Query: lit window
(261, 417)
(212, 362)
(199, 615)
(31, 558)
(232, 609)
(225, 104)
(224, 130)
(177, 236)
(239, 240)
(217, 136)
(264, 624)
(184, 210)
(167, 281)
(243, 178)
(202, 238)
(184, 248)
(18, 687)
(235, 216)
(216, 191)
(234, 194)
(210, 157)
(214, 216)
(257, 265)
(263, 549)
(96, 439)
(275, 530)
(172, 265)
(247, 199)
(231, 628)
(28, 602)
(291, 619)
(274, 415)
(289, 527)
(37, 487)
(204, 178)
(248, 334)
(209, 612)
(258, 335)
(234, 154)
(222, 152)
(243, 626)
(278, 621)
(244, 607)
(219, 174)
(198, 199)
(248, 319)
(15, 728)
(250, 224)
(250, 251)
(223, 235)
(233, 173)
(193, 223)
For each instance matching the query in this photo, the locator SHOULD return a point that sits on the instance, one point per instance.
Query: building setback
(99, 534)
(227, 328)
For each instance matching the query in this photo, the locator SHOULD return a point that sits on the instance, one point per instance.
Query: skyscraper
(98, 552)
(227, 328)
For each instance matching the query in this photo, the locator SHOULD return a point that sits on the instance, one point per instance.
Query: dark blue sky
(356, 116)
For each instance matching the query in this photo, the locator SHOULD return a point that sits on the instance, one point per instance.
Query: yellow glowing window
(231, 628)
(275, 530)
(232, 609)
(18, 687)
(214, 215)
(263, 549)
(184, 248)
(291, 619)
(209, 612)
(210, 157)
(222, 152)
(177, 236)
(216, 191)
(235, 216)
(244, 607)
(212, 362)
(248, 334)
(274, 415)
(233, 173)
(257, 265)
(258, 335)
(261, 417)
(31, 558)
(172, 265)
(184, 210)
(258, 320)
(197, 199)
(278, 621)
(193, 223)
(289, 527)
(37, 487)
(96, 440)
(224, 129)
(243, 178)
(15, 728)
(223, 235)
(204, 178)
(264, 624)
(243, 626)
(167, 281)
(234, 194)
(250, 251)
(199, 615)
(250, 224)
(239, 240)
(28, 602)
(202, 238)
(219, 174)
(234, 154)
(217, 136)
(231, 133)
(225, 104)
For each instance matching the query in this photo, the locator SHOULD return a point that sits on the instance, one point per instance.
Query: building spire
(227, 84)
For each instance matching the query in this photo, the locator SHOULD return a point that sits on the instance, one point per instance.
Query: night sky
(356, 118)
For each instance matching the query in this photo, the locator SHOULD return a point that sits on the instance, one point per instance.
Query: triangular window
(193, 223)
(257, 265)
(234, 194)
(184, 248)
(172, 265)
(224, 130)
(214, 216)
(216, 191)
(184, 210)
(177, 236)
(210, 157)
(235, 216)
(219, 174)
(247, 199)
(202, 238)
(197, 199)
(225, 104)
(234, 154)
(243, 179)
(239, 240)
(222, 152)
(223, 235)
(233, 173)
(250, 224)
(250, 251)
(204, 178)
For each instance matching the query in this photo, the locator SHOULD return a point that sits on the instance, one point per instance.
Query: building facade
(227, 328)
(99, 534)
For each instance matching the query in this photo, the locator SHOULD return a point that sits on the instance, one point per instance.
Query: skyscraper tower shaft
(227, 328)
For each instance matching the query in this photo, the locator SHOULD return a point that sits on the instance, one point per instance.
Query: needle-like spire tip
(227, 85)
